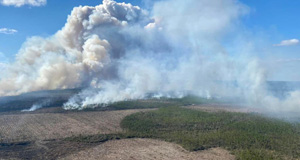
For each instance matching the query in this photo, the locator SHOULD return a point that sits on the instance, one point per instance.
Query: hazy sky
(276, 22)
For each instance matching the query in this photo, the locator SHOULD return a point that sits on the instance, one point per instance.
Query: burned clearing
(43, 126)
(41, 135)
(128, 149)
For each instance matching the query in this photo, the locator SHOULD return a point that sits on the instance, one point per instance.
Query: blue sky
(275, 20)
(280, 15)
(36, 21)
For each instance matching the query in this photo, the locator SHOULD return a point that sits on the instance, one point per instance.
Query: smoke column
(120, 52)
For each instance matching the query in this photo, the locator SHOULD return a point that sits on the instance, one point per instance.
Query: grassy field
(248, 136)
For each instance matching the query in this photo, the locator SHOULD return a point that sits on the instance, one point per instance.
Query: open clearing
(43, 126)
(147, 149)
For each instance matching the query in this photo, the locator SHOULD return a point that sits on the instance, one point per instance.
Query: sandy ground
(42, 126)
(147, 149)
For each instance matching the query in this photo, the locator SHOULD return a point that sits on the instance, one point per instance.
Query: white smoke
(37, 106)
(120, 52)
(81, 52)
(33, 108)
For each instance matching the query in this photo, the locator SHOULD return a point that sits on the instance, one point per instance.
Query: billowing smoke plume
(119, 52)
(83, 51)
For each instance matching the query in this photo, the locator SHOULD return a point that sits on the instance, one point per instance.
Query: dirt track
(147, 149)
(42, 126)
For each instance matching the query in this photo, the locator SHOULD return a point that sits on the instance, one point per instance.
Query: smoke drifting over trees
(119, 51)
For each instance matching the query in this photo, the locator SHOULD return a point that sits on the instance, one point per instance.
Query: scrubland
(189, 128)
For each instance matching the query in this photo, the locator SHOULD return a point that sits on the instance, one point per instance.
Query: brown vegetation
(43, 126)
(148, 149)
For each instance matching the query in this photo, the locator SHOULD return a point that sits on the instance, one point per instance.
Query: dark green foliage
(54, 98)
(189, 100)
(159, 103)
(249, 136)
(141, 104)
(151, 103)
